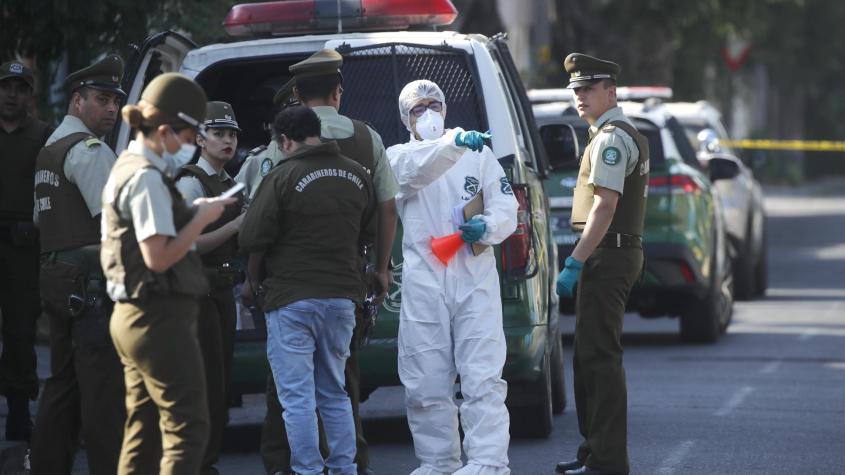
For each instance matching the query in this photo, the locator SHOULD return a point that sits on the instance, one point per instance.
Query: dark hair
(317, 87)
(297, 123)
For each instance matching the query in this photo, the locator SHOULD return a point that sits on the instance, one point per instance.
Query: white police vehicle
(483, 91)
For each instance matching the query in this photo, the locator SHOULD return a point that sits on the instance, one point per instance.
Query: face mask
(430, 125)
(181, 157)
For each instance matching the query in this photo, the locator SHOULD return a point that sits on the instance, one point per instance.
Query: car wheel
(701, 320)
(536, 420)
(558, 377)
(761, 270)
(744, 265)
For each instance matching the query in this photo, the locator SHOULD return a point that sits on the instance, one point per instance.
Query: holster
(72, 283)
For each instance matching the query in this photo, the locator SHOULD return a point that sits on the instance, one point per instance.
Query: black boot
(18, 422)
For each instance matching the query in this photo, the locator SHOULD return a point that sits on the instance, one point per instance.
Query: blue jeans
(307, 347)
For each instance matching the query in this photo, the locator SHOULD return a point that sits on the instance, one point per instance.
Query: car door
(161, 53)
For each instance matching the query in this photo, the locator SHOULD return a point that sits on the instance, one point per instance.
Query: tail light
(674, 184)
(518, 254)
(320, 16)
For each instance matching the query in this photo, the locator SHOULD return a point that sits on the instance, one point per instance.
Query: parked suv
(687, 260)
(483, 91)
(742, 195)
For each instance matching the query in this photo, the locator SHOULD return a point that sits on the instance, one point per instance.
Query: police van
(386, 44)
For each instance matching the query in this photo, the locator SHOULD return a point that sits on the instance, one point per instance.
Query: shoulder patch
(257, 150)
(505, 186)
(266, 166)
(611, 156)
(91, 141)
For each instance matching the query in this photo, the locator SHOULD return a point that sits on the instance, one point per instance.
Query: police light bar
(323, 16)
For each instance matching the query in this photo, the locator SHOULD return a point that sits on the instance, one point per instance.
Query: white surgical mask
(430, 125)
(181, 157)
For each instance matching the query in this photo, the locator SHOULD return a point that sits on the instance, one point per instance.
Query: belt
(620, 241)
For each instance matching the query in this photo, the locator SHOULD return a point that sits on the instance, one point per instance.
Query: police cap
(14, 69)
(105, 74)
(179, 98)
(322, 63)
(283, 96)
(220, 115)
(584, 70)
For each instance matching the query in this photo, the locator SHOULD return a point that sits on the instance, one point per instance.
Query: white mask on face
(181, 157)
(429, 125)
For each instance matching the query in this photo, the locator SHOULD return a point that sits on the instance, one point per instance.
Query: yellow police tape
(803, 145)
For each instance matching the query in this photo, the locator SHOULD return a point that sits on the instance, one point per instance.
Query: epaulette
(608, 128)
(257, 150)
(91, 141)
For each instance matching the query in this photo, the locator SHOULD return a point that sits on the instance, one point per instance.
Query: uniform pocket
(58, 281)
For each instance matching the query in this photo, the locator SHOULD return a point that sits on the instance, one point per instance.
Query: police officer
(308, 218)
(156, 280)
(608, 210)
(85, 389)
(317, 84)
(217, 246)
(21, 137)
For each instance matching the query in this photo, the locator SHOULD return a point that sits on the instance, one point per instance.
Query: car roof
(200, 58)
(653, 111)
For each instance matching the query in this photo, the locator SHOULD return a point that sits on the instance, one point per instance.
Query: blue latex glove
(569, 276)
(472, 139)
(473, 230)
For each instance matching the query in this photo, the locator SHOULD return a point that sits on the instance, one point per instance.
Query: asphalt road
(768, 398)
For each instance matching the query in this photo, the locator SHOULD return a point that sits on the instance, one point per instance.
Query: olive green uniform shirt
(614, 154)
(257, 166)
(308, 216)
(87, 164)
(190, 186)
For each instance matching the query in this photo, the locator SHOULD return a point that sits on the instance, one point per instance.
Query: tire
(700, 321)
(745, 281)
(558, 377)
(536, 420)
(761, 270)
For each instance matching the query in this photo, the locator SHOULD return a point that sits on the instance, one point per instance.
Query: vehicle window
(682, 142)
(372, 79)
(373, 76)
(655, 144)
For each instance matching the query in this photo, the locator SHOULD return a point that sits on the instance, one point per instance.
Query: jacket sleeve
(500, 205)
(262, 222)
(418, 163)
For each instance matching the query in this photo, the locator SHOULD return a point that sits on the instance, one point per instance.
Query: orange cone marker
(446, 247)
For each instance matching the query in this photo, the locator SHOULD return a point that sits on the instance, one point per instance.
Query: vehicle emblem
(393, 300)
(568, 182)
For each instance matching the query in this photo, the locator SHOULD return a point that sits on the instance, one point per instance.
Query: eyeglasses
(419, 109)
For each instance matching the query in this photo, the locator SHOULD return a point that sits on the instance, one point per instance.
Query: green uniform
(616, 158)
(19, 300)
(84, 393)
(367, 149)
(216, 325)
(154, 325)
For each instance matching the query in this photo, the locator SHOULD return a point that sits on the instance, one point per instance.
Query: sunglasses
(419, 109)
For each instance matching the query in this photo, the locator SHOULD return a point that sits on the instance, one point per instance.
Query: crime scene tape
(802, 145)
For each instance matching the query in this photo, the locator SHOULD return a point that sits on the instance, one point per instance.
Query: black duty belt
(620, 241)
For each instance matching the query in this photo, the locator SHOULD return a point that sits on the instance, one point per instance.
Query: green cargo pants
(216, 332)
(600, 391)
(166, 406)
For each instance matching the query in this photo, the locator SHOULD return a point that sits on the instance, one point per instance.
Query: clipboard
(469, 209)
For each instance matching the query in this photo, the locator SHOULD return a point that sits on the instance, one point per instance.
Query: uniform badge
(471, 185)
(16, 68)
(266, 165)
(611, 156)
(506, 186)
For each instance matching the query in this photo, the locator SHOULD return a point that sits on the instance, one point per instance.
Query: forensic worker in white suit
(451, 315)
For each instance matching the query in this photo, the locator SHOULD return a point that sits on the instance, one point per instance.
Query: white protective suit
(451, 316)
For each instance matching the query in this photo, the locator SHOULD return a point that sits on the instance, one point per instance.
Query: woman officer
(218, 247)
(156, 279)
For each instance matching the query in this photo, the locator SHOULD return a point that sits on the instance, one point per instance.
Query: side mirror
(722, 169)
(561, 144)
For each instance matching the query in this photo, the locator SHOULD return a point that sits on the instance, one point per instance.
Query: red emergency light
(322, 16)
